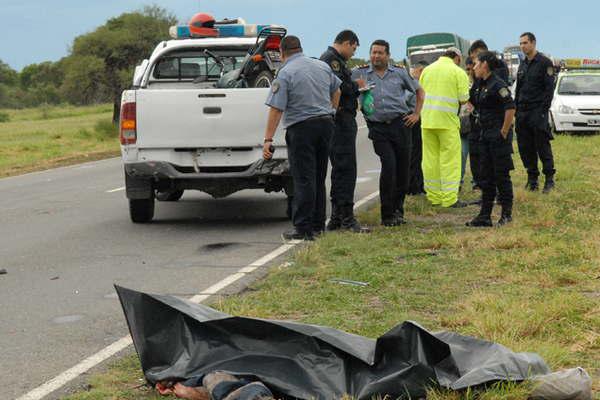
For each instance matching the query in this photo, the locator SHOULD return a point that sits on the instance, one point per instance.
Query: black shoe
(459, 204)
(480, 221)
(294, 234)
(396, 220)
(532, 185)
(351, 224)
(548, 185)
(504, 219)
(335, 222)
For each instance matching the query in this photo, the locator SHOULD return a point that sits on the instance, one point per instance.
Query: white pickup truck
(190, 122)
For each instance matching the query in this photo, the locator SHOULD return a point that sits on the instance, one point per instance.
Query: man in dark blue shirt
(343, 143)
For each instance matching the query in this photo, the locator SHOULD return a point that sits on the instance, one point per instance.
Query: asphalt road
(66, 238)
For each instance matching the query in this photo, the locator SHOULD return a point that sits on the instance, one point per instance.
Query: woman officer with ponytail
(496, 109)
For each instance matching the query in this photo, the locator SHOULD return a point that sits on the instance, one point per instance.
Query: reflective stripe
(441, 98)
(450, 183)
(442, 189)
(440, 108)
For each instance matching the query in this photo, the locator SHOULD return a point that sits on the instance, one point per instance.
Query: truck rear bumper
(165, 170)
(271, 175)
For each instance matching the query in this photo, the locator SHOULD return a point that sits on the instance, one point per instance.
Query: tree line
(98, 68)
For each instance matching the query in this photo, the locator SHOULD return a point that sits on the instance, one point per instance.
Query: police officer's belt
(529, 106)
(387, 122)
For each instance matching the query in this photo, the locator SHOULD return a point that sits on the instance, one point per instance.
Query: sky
(33, 31)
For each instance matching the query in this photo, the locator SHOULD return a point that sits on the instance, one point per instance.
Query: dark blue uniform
(533, 97)
(491, 99)
(475, 135)
(343, 145)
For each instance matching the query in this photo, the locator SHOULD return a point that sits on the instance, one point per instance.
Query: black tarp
(178, 340)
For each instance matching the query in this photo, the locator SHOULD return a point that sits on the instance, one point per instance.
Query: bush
(4, 117)
(106, 129)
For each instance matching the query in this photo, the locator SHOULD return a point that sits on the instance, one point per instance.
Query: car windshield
(190, 65)
(578, 85)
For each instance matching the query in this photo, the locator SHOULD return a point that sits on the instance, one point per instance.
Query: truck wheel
(141, 210)
(169, 195)
(262, 80)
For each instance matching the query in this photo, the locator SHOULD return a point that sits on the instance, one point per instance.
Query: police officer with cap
(390, 128)
(306, 94)
(416, 156)
(343, 143)
(535, 89)
(496, 109)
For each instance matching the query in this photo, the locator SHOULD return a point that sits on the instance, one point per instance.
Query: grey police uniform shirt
(303, 89)
(389, 93)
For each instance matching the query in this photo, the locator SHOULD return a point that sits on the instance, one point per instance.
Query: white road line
(116, 190)
(59, 381)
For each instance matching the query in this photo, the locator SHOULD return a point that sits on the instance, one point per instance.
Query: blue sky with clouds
(33, 31)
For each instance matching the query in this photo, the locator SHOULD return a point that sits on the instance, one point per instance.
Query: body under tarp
(178, 340)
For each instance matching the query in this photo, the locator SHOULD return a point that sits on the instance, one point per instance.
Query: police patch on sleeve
(335, 66)
(275, 87)
(550, 71)
(504, 93)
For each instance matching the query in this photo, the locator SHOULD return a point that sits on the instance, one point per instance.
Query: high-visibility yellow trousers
(441, 165)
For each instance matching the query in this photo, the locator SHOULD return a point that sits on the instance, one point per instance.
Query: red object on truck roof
(203, 25)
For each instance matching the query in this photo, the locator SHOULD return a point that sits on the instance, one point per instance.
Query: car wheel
(262, 80)
(169, 195)
(141, 210)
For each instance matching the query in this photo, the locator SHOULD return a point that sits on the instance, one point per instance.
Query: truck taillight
(128, 124)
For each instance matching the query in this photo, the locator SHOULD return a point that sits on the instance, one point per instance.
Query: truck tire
(262, 80)
(169, 195)
(141, 210)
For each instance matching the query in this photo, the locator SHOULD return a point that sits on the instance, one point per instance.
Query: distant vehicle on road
(576, 103)
(429, 47)
(194, 118)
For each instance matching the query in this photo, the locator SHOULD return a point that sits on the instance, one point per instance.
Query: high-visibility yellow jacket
(446, 85)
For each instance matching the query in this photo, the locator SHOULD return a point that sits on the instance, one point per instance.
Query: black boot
(484, 219)
(548, 184)
(506, 216)
(349, 222)
(532, 184)
(335, 222)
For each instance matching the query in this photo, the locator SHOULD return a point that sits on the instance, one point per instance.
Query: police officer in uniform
(496, 109)
(535, 88)
(390, 128)
(416, 186)
(501, 71)
(343, 143)
(306, 93)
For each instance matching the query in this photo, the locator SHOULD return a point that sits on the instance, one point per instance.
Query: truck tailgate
(201, 118)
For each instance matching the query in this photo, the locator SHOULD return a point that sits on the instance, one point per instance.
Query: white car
(576, 103)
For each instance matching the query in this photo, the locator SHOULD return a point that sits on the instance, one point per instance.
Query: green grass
(532, 286)
(44, 137)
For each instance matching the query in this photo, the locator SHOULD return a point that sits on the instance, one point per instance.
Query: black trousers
(496, 164)
(416, 158)
(343, 159)
(475, 156)
(308, 149)
(392, 143)
(533, 138)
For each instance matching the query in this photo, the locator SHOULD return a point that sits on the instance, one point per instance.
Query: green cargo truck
(429, 47)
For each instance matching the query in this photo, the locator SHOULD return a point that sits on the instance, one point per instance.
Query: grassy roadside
(46, 137)
(532, 286)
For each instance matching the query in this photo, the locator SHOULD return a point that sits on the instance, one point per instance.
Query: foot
(532, 185)
(351, 224)
(480, 221)
(334, 223)
(396, 220)
(505, 219)
(458, 204)
(294, 234)
(548, 186)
